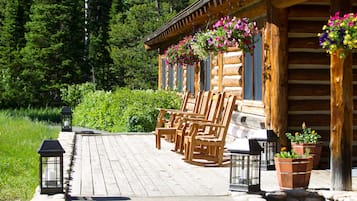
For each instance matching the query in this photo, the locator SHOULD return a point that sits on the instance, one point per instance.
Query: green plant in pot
(293, 170)
(307, 138)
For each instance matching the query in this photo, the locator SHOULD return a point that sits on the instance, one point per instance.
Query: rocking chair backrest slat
(184, 101)
(226, 117)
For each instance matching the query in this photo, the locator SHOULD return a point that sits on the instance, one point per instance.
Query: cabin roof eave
(197, 14)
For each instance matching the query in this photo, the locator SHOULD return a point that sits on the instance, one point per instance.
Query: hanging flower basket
(339, 33)
(234, 32)
(181, 53)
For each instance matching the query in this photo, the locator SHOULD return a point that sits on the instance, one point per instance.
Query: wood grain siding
(232, 72)
(309, 73)
(214, 72)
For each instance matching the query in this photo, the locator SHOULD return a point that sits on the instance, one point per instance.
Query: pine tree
(12, 87)
(132, 64)
(98, 56)
(51, 56)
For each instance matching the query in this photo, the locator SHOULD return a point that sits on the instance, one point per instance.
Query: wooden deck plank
(75, 183)
(108, 173)
(85, 169)
(97, 173)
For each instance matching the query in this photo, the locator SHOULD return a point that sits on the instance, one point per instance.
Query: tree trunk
(341, 121)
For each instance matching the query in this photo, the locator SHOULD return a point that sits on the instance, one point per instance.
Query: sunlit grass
(19, 140)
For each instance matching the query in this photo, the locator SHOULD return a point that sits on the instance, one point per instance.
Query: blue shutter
(191, 79)
(171, 76)
(205, 75)
(163, 74)
(208, 74)
(179, 77)
(258, 63)
(248, 75)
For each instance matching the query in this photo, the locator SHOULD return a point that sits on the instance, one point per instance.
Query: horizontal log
(258, 9)
(232, 59)
(214, 71)
(312, 11)
(299, 26)
(214, 82)
(310, 42)
(235, 91)
(232, 82)
(232, 70)
(309, 105)
(311, 58)
(309, 74)
(285, 3)
(312, 120)
(308, 90)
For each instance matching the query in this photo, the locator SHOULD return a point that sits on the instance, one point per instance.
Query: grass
(20, 139)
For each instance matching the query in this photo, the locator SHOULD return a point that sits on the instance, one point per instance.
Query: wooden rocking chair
(210, 145)
(212, 116)
(169, 130)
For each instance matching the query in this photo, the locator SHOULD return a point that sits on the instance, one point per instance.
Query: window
(253, 72)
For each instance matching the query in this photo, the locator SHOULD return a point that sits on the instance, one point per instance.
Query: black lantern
(245, 165)
(66, 115)
(51, 167)
(268, 140)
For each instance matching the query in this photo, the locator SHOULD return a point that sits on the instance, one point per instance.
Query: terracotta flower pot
(293, 172)
(315, 151)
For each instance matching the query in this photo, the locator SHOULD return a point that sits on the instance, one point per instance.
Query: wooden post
(341, 112)
(279, 70)
(267, 76)
(341, 121)
(197, 80)
(220, 71)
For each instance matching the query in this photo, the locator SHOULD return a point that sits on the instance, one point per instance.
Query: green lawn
(19, 140)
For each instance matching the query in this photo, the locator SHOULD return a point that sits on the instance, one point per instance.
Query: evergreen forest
(47, 45)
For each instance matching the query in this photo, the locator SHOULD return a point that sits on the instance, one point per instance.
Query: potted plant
(305, 139)
(293, 170)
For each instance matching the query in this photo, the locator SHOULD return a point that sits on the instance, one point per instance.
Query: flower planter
(315, 151)
(293, 172)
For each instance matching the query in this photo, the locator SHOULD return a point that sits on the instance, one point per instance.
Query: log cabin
(287, 80)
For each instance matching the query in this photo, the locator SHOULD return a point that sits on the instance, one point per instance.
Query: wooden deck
(130, 166)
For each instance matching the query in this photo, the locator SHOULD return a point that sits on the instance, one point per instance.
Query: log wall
(309, 74)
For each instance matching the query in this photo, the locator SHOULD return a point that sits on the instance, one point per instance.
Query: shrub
(123, 110)
(73, 94)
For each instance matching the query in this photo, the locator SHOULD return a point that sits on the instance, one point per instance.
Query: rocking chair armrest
(209, 124)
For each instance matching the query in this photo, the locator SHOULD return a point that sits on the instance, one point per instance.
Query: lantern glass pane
(254, 170)
(239, 169)
(271, 150)
(51, 172)
(67, 121)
